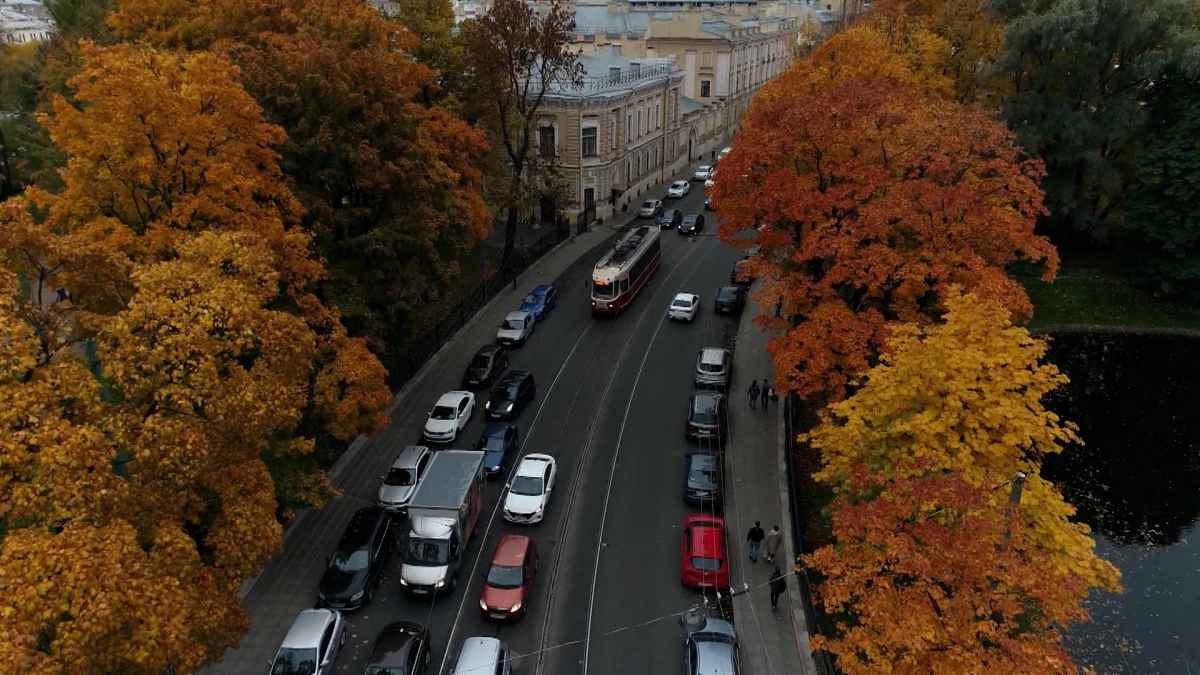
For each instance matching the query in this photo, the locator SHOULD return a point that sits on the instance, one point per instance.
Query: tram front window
(603, 289)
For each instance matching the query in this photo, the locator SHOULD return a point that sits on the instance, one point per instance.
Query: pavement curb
(795, 601)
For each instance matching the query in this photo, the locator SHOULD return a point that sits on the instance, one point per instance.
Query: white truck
(441, 518)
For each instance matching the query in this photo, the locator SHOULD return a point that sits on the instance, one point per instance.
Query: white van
(483, 656)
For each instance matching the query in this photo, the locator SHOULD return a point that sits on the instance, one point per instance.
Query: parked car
(708, 203)
(714, 368)
(706, 416)
(724, 152)
(705, 555)
(736, 276)
(353, 570)
(485, 366)
(650, 208)
(684, 307)
(449, 416)
(702, 477)
(508, 582)
(515, 329)
(702, 173)
(712, 180)
(401, 648)
(483, 656)
(670, 218)
(678, 189)
(403, 477)
(528, 494)
(751, 252)
(540, 301)
(498, 443)
(693, 223)
(311, 645)
(511, 395)
(713, 648)
(730, 300)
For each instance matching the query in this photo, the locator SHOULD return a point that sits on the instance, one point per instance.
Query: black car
(730, 300)
(702, 477)
(485, 366)
(693, 223)
(669, 218)
(354, 568)
(402, 648)
(737, 277)
(706, 417)
(512, 393)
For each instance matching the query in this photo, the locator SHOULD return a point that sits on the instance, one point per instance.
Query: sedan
(730, 300)
(670, 218)
(308, 647)
(528, 494)
(498, 443)
(713, 648)
(511, 395)
(712, 180)
(509, 581)
(516, 328)
(693, 223)
(354, 569)
(702, 173)
(684, 307)
(540, 301)
(678, 189)
(736, 276)
(705, 555)
(701, 478)
(402, 648)
(403, 478)
(650, 208)
(485, 366)
(449, 416)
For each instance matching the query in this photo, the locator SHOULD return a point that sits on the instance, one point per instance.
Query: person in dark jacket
(754, 391)
(755, 537)
(778, 587)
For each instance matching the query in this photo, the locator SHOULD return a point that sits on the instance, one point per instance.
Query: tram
(624, 270)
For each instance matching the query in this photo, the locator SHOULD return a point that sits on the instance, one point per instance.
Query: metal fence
(821, 657)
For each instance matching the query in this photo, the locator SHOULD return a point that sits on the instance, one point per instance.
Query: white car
(312, 644)
(684, 307)
(650, 208)
(678, 189)
(529, 492)
(516, 328)
(712, 178)
(725, 152)
(449, 416)
(702, 173)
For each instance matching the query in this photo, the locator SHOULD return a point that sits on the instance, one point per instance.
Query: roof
(393, 644)
(358, 532)
(512, 377)
(533, 466)
(714, 356)
(706, 535)
(408, 457)
(448, 479)
(496, 429)
(604, 72)
(477, 655)
(451, 398)
(686, 296)
(519, 315)
(511, 550)
(540, 289)
(627, 247)
(306, 630)
(594, 19)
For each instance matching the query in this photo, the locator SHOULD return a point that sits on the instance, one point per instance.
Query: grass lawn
(1092, 292)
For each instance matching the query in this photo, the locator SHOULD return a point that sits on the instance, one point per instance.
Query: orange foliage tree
(868, 201)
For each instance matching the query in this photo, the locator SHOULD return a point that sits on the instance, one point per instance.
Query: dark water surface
(1136, 483)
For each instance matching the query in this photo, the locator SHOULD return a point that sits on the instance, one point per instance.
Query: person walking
(774, 538)
(766, 392)
(778, 587)
(753, 393)
(755, 537)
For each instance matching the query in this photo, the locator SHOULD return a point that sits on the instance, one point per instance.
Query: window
(612, 131)
(628, 127)
(590, 142)
(546, 141)
(655, 156)
(704, 87)
(656, 113)
(628, 171)
(639, 123)
(639, 165)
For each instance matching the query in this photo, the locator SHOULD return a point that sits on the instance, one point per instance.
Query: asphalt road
(611, 409)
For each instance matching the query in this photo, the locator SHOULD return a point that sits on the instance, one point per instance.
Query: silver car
(403, 477)
(714, 367)
(516, 329)
(650, 208)
(712, 650)
(312, 645)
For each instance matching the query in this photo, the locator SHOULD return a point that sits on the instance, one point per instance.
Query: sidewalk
(773, 643)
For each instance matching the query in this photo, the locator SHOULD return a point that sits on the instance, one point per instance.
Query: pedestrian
(766, 393)
(774, 537)
(755, 537)
(778, 587)
(714, 155)
(774, 396)
(753, 393)
(63, 295)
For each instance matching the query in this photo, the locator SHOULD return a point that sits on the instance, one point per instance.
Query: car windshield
(295, 662)
(705, 169)
(706, 564)
(647, 205)
(689, 220)
(705, 411)
(350, 561)
(514, 324)
(426, 552)
(682, 302)
(667, 216)
(506, 390)
(443, 412)
(501, 576)
(679, 185)
(530, 486)
(703, 475)
(603, 289)
(481, 361)
(710, 368)
(532, 299)
(400, 477)
(491, 444)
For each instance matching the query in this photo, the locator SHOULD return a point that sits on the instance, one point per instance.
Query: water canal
(1136, 483)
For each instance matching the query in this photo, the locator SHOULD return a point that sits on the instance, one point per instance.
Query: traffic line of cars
(428, 506)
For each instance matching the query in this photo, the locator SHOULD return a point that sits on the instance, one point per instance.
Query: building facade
(24, 21)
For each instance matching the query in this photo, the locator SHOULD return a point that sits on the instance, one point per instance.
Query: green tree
(432, 21)
(16, 102)
(1080, 73)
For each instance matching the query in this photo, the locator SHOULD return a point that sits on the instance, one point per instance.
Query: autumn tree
(518, 53)
(869, 201)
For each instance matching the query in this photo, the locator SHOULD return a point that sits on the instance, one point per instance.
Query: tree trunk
(510, 238)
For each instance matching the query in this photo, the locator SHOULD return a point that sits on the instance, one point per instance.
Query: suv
(730, 300)
(358, 561)
(714, 367)
(706, 417)
(486, 366)
(510, 395)
(401, 647)
(670, 218)
(312, 644)
(403, 477)
(693, 223)
(713, 648)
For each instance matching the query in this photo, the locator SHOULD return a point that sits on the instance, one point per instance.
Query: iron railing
(627, 76)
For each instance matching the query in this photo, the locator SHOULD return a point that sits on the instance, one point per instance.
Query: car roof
(701, 459)
(306, 630)
(685, 296)
(714, 657)
(671, 212)
(496, 429)
(358, 531)
(704, 397)
(533, 465)
(407, 459)
(693, 216)
(540, 289)
(477, 654)
(516, 315)
(511, 550)
(706, 535)
(451, 398)
(488, 350)
(705, 166)
(513, 376)
(393, 644)
(679, 182)
(713, 356)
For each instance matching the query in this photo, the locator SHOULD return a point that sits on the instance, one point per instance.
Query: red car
(705, 562)
(509, 580)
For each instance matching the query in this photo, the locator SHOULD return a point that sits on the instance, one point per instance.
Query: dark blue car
(498, 442)
(540, 301)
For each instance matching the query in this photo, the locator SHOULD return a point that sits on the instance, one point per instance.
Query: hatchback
(485, 366)
(702, 478)
(706, 416)
(730, 300)
(516, 328)
(650, 208)
(670, 218)
(311, 645)
(714, 367)
(712, 650)
(693, 223)
(402, 648)
(705, 555)
(540, 301)
(702, 173)
(353, 571)
(509, 581)
(678, 189)
(498, 443)
(510, 395)
(403, 478)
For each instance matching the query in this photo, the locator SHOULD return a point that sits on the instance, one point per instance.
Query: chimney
(614, 73)
(635, 68)
(616, 48)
